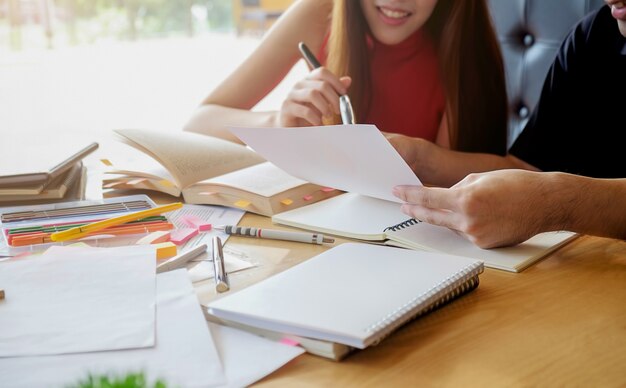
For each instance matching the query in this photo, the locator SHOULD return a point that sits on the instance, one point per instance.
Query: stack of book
(37, 178)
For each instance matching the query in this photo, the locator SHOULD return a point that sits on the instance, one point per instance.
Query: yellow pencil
(81, 231)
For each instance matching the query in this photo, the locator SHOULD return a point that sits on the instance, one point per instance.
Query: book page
(353, 158)
(348, 215)
(190, 157)
(264, 179)
(514, 259)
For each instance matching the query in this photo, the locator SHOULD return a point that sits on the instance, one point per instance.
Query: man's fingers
(439, 217)
(427, 197)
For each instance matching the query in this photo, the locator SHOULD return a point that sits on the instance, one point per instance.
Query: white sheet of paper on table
(52, 300)
(248, 358)
(184, 354)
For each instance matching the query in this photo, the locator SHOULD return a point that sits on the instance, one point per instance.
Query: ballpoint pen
(345, 106)
(180, 260)
(81, 231)
(221, 277)
(311, 238)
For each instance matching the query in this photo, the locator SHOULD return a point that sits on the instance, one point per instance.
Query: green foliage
(131, 380)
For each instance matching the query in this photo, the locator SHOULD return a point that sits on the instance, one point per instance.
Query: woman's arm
(231, 101)
(437, 165)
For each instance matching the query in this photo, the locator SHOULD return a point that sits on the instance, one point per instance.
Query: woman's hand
(313, 98)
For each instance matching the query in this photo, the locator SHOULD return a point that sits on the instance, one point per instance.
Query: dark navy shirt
(580, 119)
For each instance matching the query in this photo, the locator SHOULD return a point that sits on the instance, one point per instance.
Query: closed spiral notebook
(353, 294)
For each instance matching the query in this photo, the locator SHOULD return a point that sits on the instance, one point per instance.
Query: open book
(207, 170)
(351, 296)
(369, 211)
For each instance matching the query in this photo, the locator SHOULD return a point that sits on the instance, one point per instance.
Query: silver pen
(311, 238)
(345, 106)
(221, 277)
(180, 260)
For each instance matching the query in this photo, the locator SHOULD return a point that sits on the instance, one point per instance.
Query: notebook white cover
(354, 294)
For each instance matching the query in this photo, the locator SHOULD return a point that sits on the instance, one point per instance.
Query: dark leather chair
(530, 33)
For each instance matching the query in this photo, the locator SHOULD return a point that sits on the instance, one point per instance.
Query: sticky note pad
(196, 222)
(286, 201)
(165, 250)
(307, 197)
(180, 236)
(289, 341)
(327, 189)
(157, 237)
(242, 203)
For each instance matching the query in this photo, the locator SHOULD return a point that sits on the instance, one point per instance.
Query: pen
(81, 231)
(221, 277)
(345, 106)
(180, 260)
(311, 238)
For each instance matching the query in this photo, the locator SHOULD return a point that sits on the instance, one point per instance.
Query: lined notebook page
(351, 294)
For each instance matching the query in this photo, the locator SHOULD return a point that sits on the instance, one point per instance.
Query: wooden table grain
(561, 322)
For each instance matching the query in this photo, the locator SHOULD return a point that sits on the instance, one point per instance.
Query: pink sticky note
(289, 341)
(180, 236)
(307, 197)
(327, 189)
(196, 222)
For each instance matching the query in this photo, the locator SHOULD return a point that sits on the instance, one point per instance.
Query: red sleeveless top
(407, 91)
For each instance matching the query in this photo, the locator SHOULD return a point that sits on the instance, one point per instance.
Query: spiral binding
(402, 225)
(440, 295)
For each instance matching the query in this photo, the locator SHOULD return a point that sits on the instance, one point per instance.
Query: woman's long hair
(470, 61)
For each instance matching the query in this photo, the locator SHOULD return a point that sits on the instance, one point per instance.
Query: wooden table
(561, 322)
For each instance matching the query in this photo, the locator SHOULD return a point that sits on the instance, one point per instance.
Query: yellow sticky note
(106, 162)
(286, 201)
(166, 183)
(242, 203)
(165, 250)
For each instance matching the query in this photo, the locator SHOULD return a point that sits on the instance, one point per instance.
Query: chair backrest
(530, 33)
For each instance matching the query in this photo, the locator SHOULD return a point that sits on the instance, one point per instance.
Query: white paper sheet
(248, 358)
(353, 158)
(61, 303)
(184, 355)
(204, 269)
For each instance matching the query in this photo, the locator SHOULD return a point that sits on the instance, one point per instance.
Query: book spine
(450, 289)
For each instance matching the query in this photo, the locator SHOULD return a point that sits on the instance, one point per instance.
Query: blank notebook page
(352, 294)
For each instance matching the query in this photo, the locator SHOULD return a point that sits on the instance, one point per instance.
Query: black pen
(345, 106)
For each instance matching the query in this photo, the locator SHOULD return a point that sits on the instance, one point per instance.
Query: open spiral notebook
(369, 219)
(351, 296)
